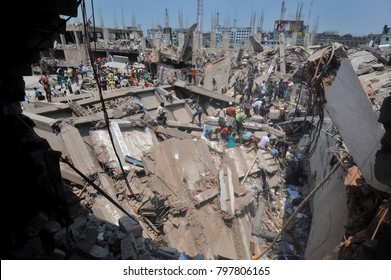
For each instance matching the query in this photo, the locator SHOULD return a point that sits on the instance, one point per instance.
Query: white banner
(192, 269)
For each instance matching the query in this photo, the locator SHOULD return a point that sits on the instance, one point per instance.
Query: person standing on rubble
(247, 105)
(283, 114)
(60, 76)
(214, 87)
(198, 112)
(240, 118)
(161, 114)
(281, 89)
(81, 70)
(194, 74)
(44, 80)
(189, 75)
(69, 85)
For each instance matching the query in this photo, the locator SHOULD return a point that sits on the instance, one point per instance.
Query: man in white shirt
(265, 142)
(257, 106)
(161, 114)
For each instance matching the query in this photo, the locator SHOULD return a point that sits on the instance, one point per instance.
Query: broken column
(281, 41)
(225, 41)
(213, 39)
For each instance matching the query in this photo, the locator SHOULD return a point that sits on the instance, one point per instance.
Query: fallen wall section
(348, 104)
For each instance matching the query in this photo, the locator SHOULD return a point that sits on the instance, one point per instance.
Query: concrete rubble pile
(188, 196)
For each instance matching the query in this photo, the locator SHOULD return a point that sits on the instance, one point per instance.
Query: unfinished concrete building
(101, 178)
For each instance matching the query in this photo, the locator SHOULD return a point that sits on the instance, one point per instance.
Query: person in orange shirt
(194, 74)
(44, 80)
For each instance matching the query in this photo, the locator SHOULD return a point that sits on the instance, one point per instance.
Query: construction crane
(283, 10)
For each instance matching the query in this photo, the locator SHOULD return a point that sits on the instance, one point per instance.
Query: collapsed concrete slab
(185, 173)
(132, 141)
(347, 103)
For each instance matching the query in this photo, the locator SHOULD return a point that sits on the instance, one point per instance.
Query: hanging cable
(93, 65)
(99, 190)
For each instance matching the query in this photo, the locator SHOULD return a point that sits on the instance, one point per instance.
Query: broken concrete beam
(68, 174)
(184, 126)
(257, 222)
(205, 195)
(257, 46)
(164, 93)
(119, 141)
(254, 246)
(276, 132)
(173, 132)
(227, 188)
(205, 92)
(76, 148)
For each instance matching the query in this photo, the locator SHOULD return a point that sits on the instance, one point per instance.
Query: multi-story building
(237, 35)
(71, 46)
(348, 40)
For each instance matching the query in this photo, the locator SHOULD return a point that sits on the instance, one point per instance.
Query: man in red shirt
(194, 74)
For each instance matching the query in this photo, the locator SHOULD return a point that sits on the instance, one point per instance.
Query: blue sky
(356, 17)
